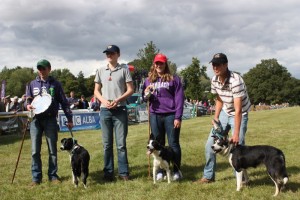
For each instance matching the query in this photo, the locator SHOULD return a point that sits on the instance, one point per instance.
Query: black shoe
(124, 178)
(108, 178)
(34, 183)
(56, 181)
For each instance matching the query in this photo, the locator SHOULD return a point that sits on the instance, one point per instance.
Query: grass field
(279, 128)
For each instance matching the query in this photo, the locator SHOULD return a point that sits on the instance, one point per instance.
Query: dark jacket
(54, 88)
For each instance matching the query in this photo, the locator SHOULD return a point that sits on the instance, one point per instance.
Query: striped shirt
(233, 87)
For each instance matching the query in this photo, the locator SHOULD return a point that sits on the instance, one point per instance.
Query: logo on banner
(77, 120)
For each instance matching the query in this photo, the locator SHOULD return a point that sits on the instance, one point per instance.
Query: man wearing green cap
(46, 122)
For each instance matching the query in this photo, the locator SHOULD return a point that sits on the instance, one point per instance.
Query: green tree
(195, 80)
(82, 90)
(67, 79)
(90, 84)
(146, 56)
(270, 83)
(5, 74)
(17, 79)
(144, 62)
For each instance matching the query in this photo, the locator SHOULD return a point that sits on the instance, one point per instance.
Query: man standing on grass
(232, 107)
(46, 122)
(113, 85)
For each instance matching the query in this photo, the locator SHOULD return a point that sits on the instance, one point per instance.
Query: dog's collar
(75, 146)
(228, 150)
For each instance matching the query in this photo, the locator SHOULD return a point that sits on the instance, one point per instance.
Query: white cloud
(74, 33)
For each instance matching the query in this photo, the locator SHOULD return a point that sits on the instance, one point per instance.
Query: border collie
(243, 157)
(163, 156)
(79, 157)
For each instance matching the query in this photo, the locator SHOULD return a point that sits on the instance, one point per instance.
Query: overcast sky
(73, 33)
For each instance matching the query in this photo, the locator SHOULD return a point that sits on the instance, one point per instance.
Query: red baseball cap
(160, 58)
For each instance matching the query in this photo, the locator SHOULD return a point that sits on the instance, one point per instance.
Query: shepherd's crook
(24, 133)
(149, 130)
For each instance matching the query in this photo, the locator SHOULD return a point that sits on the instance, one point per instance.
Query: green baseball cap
(43, 64)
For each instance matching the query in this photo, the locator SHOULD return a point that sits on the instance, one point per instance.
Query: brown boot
(204, 181)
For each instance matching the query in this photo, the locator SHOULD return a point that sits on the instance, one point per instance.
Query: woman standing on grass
(166, 98)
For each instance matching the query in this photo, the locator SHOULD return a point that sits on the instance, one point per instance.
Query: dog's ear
(75, 141)
(62, 140)
(151, 137)
(226, 131)
(159, 139)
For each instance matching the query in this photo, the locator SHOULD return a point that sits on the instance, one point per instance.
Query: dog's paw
(245, 183)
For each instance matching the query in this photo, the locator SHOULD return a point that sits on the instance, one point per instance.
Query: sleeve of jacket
(179, 98)
(29, 95)
(64, 103)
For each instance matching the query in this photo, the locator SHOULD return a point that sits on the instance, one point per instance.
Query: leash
(70, 130)
(149, 132)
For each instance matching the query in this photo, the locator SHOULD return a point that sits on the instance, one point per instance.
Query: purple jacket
(54, 88)
(167, 97)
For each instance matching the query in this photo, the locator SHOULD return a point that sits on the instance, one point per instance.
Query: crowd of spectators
(16, 104)
(83, 103)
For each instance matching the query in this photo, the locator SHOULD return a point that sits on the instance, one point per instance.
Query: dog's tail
(285, 176)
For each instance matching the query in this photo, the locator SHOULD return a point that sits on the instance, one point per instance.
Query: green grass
(279, 128)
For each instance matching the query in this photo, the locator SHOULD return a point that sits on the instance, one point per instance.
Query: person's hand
(30, 107)
(177, 123)
(149, 88)
(235, 139)
(107, 103)
(113, 104)
(70, 125)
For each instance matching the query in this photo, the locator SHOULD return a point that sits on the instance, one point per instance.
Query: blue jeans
(162, 124)
(49, 127)
(210, 156)
(114, 123)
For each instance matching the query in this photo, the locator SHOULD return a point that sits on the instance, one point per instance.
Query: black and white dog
(243, 157)
(79, 157)
(162, 155)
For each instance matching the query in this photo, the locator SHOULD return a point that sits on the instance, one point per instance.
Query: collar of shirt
(115, 69)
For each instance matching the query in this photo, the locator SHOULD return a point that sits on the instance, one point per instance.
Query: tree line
(268, 82)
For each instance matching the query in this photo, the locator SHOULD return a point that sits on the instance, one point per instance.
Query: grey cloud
(77, 31)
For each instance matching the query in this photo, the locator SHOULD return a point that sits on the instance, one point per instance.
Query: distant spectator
(73, 101)
(23, 103)
(15, 105)
(95, 105)
(92, 100)
(2, 106)
(7, 103)
(83, 103)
